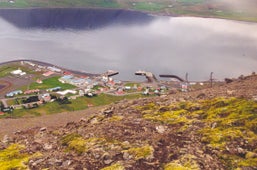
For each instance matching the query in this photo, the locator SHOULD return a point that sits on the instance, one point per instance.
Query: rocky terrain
(211, 128)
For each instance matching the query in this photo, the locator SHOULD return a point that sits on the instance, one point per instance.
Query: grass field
(7, 69)
(77, 104)
(49, 83)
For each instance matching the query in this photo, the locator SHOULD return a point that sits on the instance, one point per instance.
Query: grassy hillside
(203, 8)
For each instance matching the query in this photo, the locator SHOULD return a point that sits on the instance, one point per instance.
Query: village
(30, 84)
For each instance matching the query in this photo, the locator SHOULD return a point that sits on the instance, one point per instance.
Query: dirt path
(9, 126)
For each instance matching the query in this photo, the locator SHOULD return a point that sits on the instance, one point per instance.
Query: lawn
(62, 3)
(148, 6)
(8, 68)
(50, 83)
(77, 104)
(5, 70)
(191, 1)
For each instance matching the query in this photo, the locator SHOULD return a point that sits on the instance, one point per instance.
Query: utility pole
(211, 78)
(186, 78)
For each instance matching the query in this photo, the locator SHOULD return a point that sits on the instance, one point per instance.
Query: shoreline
(49, 64)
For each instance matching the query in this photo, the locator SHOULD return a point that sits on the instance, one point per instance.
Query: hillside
(212, 128)
(235, 9)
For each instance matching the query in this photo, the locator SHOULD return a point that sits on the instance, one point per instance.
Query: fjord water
(97, 40)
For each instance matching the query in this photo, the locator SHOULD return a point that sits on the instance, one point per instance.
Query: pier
(149, 76)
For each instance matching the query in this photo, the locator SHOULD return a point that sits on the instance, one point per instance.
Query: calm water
(95, 41)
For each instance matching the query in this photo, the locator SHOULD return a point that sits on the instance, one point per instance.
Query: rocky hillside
(213, 128)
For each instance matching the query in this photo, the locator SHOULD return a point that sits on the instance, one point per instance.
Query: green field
(7, 69)
(80, 103)
(49, 83)
(148, 6)
(201, 8)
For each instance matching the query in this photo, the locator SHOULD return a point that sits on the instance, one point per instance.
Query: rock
(108, 112)
(160, 129)
(83, 119)
(66, 163)
(94, 121)
(230, 92)
(214, 125)
(5, 139)
(250, 155)
(108, 161)
(47, 146)
(201, 96)
(35, 163)
(255, 98)
(241, 150)
(228, 80)
(127, 156)
(42, 129)
(54, 161)
(58, 162)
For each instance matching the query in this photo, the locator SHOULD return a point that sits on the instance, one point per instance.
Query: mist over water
(163, 45)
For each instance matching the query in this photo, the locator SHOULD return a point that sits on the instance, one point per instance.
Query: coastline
(82, 73)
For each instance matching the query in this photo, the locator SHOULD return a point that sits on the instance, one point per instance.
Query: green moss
(144, 152)
(12, 158)
(169, 117)
(116, 118)
(250, 155)
(78, 144)
(223, 121)
(65, 140)
(250, 162)
(149, 106)
(185, 162)
(175, 166)
(116, 166)
(75, 142)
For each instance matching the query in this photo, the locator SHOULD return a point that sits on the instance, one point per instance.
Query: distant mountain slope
(231, 9)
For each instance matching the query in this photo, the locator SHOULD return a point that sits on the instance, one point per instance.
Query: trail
(9, 126)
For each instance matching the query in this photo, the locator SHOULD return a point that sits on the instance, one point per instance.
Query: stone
(66, 163)
(94, 121)
(126, 156)
(83, 119)
(108, 112)
(214, 125)
(241, 150)
(108, 161)
(47, 146)
(43, 129)
(5, 139)
(35, 163)
(160, 129)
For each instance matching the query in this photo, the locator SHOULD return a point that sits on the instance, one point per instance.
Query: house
(66, 79)
(18, 72)
(30, 63)
(67, 92)
(54, 89)
(54, 69)
(39, 81)
(45, 97)
(127, 88)
(49, 73)
(31, 91)
(13, 93)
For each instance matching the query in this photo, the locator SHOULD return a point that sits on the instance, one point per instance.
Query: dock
(149, 76)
